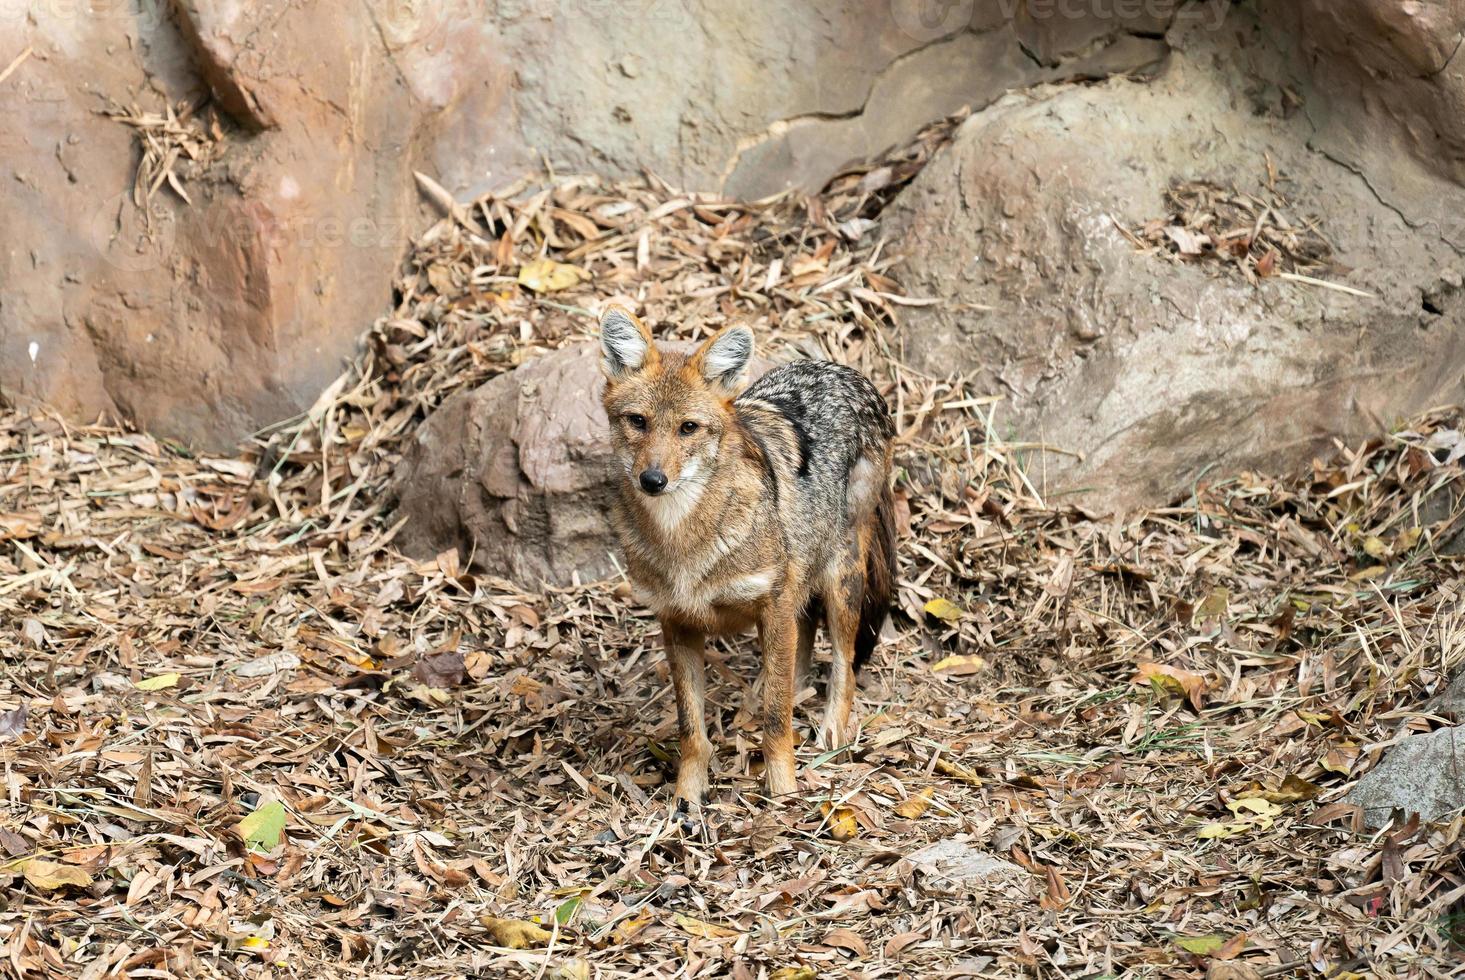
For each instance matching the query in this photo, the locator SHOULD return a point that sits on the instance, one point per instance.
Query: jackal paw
(687, 815)
(836, 733)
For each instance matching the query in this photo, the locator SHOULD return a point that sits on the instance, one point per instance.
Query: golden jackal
(768, 507)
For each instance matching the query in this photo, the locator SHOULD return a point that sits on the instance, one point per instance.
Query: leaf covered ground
(242, 735)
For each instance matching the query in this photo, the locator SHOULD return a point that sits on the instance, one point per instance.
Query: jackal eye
(637, 422)
(688, 427)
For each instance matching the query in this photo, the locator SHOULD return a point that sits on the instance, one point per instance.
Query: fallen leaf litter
(242, 729)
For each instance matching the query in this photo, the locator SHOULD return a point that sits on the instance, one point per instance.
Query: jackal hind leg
(842, 620)
(803, 664)
(684, 654)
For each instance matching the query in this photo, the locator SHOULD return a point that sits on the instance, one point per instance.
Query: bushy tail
(880, 570)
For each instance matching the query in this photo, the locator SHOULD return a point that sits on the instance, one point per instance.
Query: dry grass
(449, 746)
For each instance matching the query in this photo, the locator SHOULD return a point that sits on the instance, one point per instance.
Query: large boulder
(297, 128)
(1147, 373)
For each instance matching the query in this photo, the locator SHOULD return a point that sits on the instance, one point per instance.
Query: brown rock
(517, 474)
(1160, 372)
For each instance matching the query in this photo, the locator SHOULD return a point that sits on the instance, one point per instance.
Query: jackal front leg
(684, 650)
(778, 633)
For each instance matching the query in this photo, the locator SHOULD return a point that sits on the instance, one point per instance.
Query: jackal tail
(880, 571)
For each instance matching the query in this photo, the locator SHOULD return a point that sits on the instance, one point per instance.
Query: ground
(244, 736)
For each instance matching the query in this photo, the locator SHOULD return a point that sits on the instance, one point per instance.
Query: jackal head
(669, 412)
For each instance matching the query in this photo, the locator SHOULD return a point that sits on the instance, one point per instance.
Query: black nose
(653, 481)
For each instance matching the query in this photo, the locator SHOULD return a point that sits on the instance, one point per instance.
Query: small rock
(1422, 774)
(955, 865)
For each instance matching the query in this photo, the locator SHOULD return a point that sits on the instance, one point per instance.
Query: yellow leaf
(912, 807)
(263, 828)
(1200, 945)
(841, 821)
(628, 929)
(959, 664)
(1252, 804)
(1374, 546)
(1174, 680)
(1212, 606)
(48, 875)
(159, 683)
(943, 610)
(255, 943)
(1215, 831)
(548, 276)
(514, 933)
(706, 930)
(794, 973)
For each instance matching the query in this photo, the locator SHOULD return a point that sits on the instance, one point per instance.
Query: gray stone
(954, 865)
(1424, 774)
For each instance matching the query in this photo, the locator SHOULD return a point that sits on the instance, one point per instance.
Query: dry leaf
(1174, 680)
(944, 610)
(842, 938)
(913, 806)
(12, 722)
(443, 671)
(703, 930)
(959, 665)
(548, 276)
(49, 876)
(840, 822)
(514, 933)
(158, 683)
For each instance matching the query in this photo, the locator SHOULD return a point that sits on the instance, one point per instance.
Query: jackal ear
(723, 360)
(626, 343)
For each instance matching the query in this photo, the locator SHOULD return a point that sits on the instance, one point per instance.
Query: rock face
(206, 318)
(517, 474)
(198, 320)
(1157, 372)
(1424, 774)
